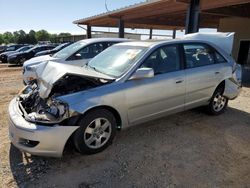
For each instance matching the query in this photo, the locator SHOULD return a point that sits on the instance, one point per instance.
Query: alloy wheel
(97, 133)
(219, 102)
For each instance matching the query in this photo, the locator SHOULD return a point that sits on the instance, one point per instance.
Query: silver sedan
(127, 84)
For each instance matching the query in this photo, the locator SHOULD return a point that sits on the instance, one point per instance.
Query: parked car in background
(54, 50)
(20, 57)
(44, 42)
(2, 48)
(78, 54)
(4, 55)
(127, 84)
(14, 47)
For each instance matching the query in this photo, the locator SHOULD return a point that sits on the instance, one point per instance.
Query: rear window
(198, 55)
(219, 58)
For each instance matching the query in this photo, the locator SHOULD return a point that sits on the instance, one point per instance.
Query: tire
(21, 61)
(218, 102)
(96, 132)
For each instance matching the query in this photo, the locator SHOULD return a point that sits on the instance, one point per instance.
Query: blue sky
(53, 15)
(56, 16)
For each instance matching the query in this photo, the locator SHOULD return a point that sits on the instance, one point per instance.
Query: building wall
(115, 35)
(241, 27)
(74, 38)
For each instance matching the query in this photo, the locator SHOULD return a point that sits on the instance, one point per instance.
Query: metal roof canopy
(168, 14)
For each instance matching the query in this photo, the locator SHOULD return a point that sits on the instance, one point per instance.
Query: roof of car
(150, 43)
(94, 40)
(147, 43)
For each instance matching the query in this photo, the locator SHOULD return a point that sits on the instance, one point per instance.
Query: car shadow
(11, 65)
(27, 168)
(246, 84)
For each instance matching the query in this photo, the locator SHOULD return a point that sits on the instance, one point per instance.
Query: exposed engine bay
(52, 110)
(71, 84)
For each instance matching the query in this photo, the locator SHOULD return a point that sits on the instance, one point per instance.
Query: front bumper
(13, 60)
(3, 58)
(37, 139)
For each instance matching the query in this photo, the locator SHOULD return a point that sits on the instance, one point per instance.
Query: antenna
(106, 6)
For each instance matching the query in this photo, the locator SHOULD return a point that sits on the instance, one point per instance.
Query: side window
(49, 47)
(198, 55)
(163, 60)
(12, 48)
(110, 44)
(37, 49)
(91, 51)
(219, 58)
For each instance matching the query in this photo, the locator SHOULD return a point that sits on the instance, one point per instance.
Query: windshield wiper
(93, 68)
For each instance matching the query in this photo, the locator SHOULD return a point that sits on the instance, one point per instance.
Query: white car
(78, 54)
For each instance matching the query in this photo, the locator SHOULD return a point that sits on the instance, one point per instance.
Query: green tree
(32, 37)
(8, 37)
(1, 39)
(54, 38)
(20, 37)
(42, 35)
(64, 35)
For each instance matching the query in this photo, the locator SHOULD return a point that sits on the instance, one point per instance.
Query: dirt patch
(189, 149)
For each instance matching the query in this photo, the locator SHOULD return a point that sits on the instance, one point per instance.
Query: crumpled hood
(37, 60)
(48, 73)
(220, 39)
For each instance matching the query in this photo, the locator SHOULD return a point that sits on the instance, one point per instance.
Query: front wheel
(218, 102)
(96, 132)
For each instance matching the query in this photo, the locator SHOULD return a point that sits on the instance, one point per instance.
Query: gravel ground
(189, 149)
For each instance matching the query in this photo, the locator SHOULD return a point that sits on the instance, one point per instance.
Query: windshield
(69, 50)
(31, 49)
(60, 46)
(11, 48)
(23, 49)
(116, 60)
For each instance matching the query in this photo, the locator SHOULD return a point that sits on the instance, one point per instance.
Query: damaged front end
(38, 110)
(51, 110)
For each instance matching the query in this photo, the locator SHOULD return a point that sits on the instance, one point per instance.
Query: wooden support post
(121, 28)
(193, 17)
(150, 33)
(89, 32)
(174, 34)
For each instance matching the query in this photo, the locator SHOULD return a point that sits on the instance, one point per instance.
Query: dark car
(2, 48)
(4, 55)
(14, 47)
(54, 50)
(19, 57)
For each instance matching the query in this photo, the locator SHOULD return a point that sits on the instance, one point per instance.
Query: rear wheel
(96, 132)
(218, 102)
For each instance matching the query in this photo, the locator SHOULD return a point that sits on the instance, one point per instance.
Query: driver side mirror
(142, 73)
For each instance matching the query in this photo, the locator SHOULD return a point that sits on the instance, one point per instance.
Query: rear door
(164, 93)
(203, 74)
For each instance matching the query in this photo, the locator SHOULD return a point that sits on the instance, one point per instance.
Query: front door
(164, 93)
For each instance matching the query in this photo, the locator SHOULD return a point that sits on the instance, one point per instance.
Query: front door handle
(179, 81)
(217, 72)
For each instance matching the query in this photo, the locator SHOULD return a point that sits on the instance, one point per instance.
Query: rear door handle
(217, 72)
